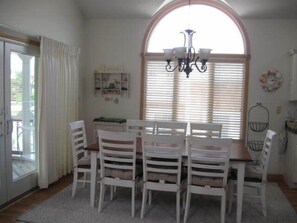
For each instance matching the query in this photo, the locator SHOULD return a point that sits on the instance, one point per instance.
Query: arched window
(216, 96)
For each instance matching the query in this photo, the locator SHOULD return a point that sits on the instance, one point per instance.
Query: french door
(18, 112)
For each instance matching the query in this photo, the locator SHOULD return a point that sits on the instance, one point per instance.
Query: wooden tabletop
(239, 151)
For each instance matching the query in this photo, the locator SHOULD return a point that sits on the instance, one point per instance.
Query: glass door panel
(22, 108)
(20, 112)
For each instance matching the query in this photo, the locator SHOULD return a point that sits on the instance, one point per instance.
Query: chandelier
(186, 56)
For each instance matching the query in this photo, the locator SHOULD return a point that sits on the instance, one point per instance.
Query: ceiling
(262, 9)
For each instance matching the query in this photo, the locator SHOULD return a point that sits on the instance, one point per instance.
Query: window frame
(214, 57)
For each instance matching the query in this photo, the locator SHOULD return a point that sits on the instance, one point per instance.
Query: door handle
(1, 123)
(1, 129)
(9, 127)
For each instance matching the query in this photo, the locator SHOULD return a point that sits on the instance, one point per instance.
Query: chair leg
(263, 199)
(101, 198)
(144, 200)
(230, 195)
(150, 197)
(188, 201)
(223, 208)
(133, 202)
(112, 189)
(178, 206)
(85, 178)
(74, 184)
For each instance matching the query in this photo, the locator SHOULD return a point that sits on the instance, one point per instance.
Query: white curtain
(58, 105)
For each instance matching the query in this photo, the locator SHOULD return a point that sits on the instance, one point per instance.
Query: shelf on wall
(112, 83)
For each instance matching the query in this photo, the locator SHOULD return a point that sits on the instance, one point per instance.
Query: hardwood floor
(11, 213)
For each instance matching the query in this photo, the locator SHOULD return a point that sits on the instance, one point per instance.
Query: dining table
(239, 157)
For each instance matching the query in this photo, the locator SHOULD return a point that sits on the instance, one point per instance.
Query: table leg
(93, 177)
(240, 181)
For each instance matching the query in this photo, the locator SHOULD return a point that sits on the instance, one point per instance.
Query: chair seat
(84, 162)
(207, 181)
(123, 174)
(171, 178)
(253, 173)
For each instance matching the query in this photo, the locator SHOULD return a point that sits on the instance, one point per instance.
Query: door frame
(25, 183)
(3, 189)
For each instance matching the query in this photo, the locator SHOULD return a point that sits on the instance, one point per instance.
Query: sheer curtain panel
(58, 105)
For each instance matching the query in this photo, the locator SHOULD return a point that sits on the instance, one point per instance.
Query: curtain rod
(16, 34)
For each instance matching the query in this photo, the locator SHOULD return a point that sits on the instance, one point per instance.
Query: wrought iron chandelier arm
(203, 67)
(170, 68)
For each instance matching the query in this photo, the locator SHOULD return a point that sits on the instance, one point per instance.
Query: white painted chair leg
(101, 198)
(178, 207)
(133, 202)
(150, 197)
(144, 200)
(111, 192)
(85, 178)
(230, 195)
(74, 184)
(188, 201)
(223, 208)
(263, 198)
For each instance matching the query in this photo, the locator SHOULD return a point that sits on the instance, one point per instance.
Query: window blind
(216, 96)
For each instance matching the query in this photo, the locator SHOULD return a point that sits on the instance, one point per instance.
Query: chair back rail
(208, 130)
(162, 154)
(140, 126)
(78, 140)
(171, 128)
(208, 158)
(117, 151)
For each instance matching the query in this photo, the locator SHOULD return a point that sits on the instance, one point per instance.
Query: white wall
(113, 42)
(56, 19)
(270, 41)
(118, 42)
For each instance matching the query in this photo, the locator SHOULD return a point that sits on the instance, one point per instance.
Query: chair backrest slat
(162, 154)
(78, 139)
(208, 157)
(140, 126)
(207, 130)
(171, 128)
(266, 151)
(117, 151)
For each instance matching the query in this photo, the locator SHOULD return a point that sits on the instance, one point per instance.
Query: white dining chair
(209, 130)
(162, 161)
(208, 164)
(171, 128)
(81, 159)
(118, 163)
(256, 175)
(140, 126)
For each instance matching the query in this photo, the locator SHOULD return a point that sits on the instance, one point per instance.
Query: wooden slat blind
(216, 96)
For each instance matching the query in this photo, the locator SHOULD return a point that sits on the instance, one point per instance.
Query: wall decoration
(271, 81)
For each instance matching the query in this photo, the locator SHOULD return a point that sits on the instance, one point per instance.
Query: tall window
(216, 96)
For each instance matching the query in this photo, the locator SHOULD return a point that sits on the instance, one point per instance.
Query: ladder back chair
(81, 159)
(140, 126)
(118, 163)
(208, 165)
(208, 130)
(256, 174)
(171, 128)
(162, 161)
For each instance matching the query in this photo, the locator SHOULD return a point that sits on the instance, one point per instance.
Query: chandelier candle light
(186, 56)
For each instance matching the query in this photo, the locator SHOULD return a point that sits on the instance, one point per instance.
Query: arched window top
(214, 29)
